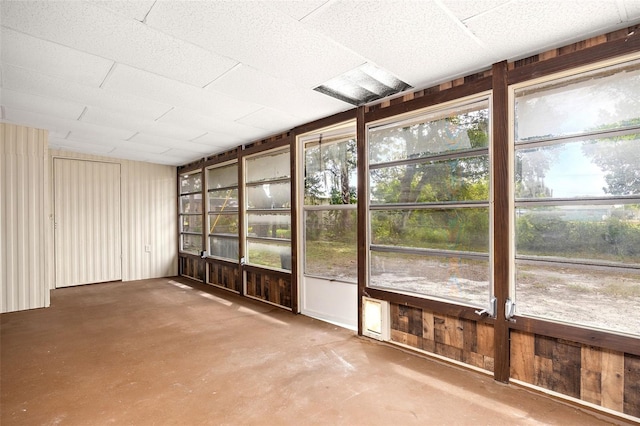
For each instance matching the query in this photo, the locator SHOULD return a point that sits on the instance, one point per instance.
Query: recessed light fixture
(363, 84)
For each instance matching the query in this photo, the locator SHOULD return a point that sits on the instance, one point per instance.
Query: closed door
(329, 264)
(87, 222)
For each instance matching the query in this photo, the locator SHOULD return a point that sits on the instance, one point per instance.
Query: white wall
(149, 217)
(24, 205)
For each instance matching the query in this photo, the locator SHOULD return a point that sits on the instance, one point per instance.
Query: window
(222, 197)
(268, 209)
(191, 212)
(330, 211)
(429, 213)
(576, 187)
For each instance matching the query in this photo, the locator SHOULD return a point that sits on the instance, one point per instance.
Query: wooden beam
(501, 220)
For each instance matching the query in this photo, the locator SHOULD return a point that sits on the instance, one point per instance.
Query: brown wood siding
(191, 267)
(274, 288)
(460, 339)
(596, 375)
(223, 274)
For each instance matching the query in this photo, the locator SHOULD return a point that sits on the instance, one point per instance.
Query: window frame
(182, 215)
(515, 203)
(232, 212)
(247, 211)
(423, 115)
(336, 134)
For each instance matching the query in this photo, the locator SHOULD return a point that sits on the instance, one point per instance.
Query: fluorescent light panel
(362, 85)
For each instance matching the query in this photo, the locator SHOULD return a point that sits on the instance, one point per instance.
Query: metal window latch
(491, 310)
(509, 309)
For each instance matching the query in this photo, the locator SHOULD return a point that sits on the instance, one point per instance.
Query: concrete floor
(161, 352)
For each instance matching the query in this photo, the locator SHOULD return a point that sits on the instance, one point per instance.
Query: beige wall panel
(24, 203)
(87, 222)
(149, 218)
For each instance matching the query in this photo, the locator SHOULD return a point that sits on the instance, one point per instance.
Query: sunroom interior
(486, 215)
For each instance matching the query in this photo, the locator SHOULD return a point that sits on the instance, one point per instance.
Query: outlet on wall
(147, 248)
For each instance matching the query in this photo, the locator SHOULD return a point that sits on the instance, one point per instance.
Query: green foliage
(612, 238)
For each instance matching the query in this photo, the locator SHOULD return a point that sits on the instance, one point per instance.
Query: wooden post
(501, 220)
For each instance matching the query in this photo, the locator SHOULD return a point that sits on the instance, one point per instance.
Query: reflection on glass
(442, 229)
(226, 247)
(330, 173)
(452, 278)
(223, 223)
(450, 131)
(592, 232)
(224, 200)
(579, 104)
(269, 253)
(462, 179)
(269, 196)
(191, 223)
(601, 299)
(331, 244)
(269, 225)
(191, 203)
(268, 167)
(222, 177)
(191, 183)
(592, 168)
(191, 243)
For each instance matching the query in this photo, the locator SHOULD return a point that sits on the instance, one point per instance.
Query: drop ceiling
(170, 82)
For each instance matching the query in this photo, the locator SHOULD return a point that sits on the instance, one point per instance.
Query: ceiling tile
(167, 143)
(465, 9)
(258, 36)
(424, 45)
(135, 9)
(28, 81)
(221, 141)
(126, 79)
(248, 84)
(79, 146)
(170, 158)
(631, 10)
(101, 32)
(183, 117)
(51, 58)
(91, 132)
(297, 9)
(271, 120)
(41, 105)
(113, 119)
(508, 30)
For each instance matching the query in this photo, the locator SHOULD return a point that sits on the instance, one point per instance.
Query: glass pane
(269, 196)
(191, 223)
(330, 173)
(223, 224)
(269, 225)
(601, 299)
(268, 167)
(605, 99)
(222, 177)
(462, 179)
(450, 278)
(592, 168)
(443, 229)
(269, 253)
(596, 232)
(191, 203)
(224, 200)
(331, 244)
(224, 247)
(191, 182)
(454, 130)
(191, 243)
